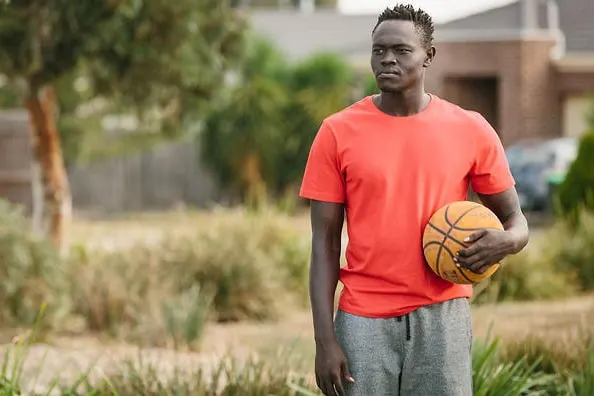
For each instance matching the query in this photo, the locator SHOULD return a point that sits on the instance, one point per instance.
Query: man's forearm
(517, 227)
(324, 271)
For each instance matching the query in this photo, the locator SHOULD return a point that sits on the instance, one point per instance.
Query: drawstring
(407, 327)
(407, 321)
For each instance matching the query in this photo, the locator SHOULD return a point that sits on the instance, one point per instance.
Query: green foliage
(156, 62)
(512, 369)
(258, 136)
(557, 263)
(319, 86)
(530, 275)
(31, 273)
(370, 85)
(576, 250)
(571, 361)
(492, 376)
(577, 191)
(241, 132)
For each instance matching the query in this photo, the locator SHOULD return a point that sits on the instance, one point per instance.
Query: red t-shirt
(392, 174)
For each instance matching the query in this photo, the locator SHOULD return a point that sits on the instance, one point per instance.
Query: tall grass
(496, 372)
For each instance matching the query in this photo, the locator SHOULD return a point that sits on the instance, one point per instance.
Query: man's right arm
(326, 221)
(324, 185)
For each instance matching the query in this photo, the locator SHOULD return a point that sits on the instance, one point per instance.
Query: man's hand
(488, 247)
(331, 368)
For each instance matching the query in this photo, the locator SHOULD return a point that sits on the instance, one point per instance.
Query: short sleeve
(490, 173)
(323, 179)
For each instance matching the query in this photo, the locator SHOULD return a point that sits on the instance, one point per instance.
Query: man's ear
(429, 56)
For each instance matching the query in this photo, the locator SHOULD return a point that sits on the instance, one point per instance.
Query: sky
(440, 10)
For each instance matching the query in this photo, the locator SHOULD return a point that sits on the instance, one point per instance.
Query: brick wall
(528, 103)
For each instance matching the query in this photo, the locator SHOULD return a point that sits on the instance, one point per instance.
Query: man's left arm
(493, 182)
(491, 246)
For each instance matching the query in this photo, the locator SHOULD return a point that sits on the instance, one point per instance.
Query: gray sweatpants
(424, 353)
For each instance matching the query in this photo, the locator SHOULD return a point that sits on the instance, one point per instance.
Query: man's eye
(378, 51)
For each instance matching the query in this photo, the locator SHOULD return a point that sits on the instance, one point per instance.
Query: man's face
(398, 56)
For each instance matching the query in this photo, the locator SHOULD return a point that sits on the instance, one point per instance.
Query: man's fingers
(470, 260)
(346, 373)
(477, 267)
(469, 251)
(338, 386)
(475, 236)
(327, 387)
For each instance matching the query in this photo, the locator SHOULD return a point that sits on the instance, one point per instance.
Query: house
(527, 66)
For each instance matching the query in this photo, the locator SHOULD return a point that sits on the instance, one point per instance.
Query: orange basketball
(444, 236)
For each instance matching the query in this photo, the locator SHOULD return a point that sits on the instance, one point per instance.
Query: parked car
(538, 166)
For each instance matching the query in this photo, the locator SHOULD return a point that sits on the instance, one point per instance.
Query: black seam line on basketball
(449, 236)
(460, 217)
(438, 253)
(452, 225)
(459, 270)
(475, 229)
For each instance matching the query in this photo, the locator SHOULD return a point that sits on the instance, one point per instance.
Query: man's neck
(402, 104)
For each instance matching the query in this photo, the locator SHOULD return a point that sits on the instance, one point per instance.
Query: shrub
(241, 266)
(576, 253)
(130, 294)
(256, 264)
(577, 190)
(31, 272)
(558, 263)
(533, 274)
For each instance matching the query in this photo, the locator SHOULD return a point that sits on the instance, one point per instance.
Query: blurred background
(151, 153)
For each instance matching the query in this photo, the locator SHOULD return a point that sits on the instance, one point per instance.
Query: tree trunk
(57, 207)
(253, 182)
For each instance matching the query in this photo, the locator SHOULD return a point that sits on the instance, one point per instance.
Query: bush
(533, 274)
(31, 271)
(241, 266)
(577, 190)
(559, 263)
(130, 294)
(576, 253)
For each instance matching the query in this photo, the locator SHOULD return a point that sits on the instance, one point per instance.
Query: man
(390, 161)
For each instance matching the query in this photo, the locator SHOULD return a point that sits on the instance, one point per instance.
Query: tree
(319, 86)
(256, 140)
(241, 132)
(161, 59)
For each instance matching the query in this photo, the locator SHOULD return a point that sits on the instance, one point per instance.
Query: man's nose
(389, 59)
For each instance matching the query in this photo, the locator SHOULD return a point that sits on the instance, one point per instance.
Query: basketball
(444, 234)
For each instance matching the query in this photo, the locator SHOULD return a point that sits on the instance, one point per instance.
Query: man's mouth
(388, 75)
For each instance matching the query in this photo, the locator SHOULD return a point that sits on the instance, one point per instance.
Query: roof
(299, 34)
(575, 21)
(506, 17)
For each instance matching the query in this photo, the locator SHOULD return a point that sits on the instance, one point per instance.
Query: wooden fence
(15, 158)
(166, 176)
